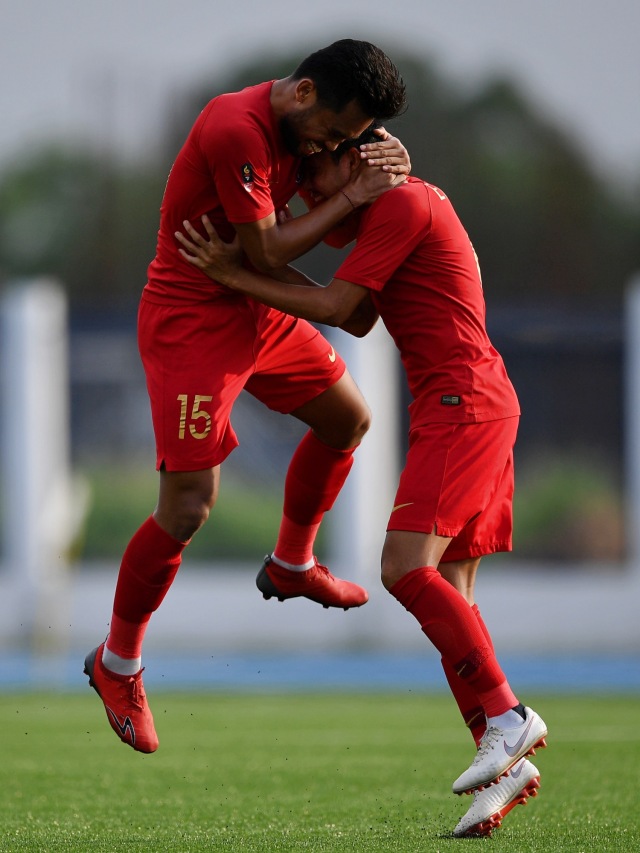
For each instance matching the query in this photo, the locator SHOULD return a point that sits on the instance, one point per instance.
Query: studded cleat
(499, 750)
(124, 701)
(316, 584)
(491, 805)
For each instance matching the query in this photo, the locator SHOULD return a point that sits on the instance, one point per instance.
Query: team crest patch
(247, 177)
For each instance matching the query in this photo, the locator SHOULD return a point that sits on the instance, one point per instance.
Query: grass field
(303, 772)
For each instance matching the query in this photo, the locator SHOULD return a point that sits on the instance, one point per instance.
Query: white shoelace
(491, 736)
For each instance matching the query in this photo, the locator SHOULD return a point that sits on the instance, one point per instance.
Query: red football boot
(124, 701)
(316, 584)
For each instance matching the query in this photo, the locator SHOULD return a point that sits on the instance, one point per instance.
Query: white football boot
(491, 805)
(499, 750)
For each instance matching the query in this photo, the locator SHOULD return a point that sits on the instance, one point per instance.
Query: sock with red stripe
(449, 622)
(149, 566)
(315, 476)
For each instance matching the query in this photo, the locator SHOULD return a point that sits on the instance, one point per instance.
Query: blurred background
(527, 116)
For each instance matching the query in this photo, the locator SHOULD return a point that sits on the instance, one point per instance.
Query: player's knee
(394, 562)
(189, 517)
(388, 579)
(346, 430)
(363, 423)
(389, 573)
(184, 513)
(357, 425)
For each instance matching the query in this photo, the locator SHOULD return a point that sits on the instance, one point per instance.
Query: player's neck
(282, 93)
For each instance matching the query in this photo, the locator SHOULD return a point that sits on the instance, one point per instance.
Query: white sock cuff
(291, 566)
(121, 666)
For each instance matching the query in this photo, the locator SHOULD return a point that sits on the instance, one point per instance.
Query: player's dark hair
(365, 137)
(350, 70)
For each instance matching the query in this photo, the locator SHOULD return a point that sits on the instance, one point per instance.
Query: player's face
(309, 129)
(323, 177)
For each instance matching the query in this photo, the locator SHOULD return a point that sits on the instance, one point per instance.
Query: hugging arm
(336, 304)
(271, 242)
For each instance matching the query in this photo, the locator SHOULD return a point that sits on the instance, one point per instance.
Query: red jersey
(414, 255)
(233, 167)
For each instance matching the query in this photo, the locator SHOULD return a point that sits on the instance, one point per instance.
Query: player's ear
(306, 91)
(354, 158)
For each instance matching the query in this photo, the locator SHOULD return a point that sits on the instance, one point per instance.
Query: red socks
(452, 626)
(465, 696)
(316, 474)
(148, 567)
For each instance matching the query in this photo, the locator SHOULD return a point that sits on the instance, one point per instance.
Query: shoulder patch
(247, 177)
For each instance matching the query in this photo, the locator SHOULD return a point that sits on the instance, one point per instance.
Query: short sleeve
(240, 163)
(390, 230)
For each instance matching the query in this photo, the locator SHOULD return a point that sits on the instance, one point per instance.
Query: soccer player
(414, 265)
(201, 344)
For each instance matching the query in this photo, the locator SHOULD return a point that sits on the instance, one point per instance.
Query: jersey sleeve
(390, 230)
(239, 160)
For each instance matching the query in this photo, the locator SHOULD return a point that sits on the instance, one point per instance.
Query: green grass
(325, 772)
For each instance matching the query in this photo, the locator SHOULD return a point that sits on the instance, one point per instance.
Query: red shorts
(199, 357)
(458, 482)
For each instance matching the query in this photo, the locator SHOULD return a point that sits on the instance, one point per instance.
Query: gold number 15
(196, 414)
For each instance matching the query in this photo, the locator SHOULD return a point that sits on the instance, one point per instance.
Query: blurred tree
(82, 218)
(544, 222)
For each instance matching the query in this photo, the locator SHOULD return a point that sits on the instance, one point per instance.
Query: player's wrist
(353, 198)
(233, 278)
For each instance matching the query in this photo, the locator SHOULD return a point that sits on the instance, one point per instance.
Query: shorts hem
(175, 466)
(419, 527)
(314, 391)
(475, 551)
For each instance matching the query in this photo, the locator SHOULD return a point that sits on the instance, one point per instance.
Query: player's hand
(219, 260)
(389, 153)
(367, 184)
(284, 215)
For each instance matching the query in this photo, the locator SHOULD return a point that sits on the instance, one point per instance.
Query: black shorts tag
(450, 400)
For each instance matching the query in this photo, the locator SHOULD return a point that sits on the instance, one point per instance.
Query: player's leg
(448, 480)
(152, 559)
(461, 575)
(450, 623)
(338, 418)
(489, 531)
(193, 436)
(302, 375)
(409, 572)
(148, 568)
(490, 805)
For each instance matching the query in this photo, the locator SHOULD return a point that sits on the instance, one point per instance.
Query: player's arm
(363, 318)
(332, 305)
(387, 152)
(270, 244)
(344, 232)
